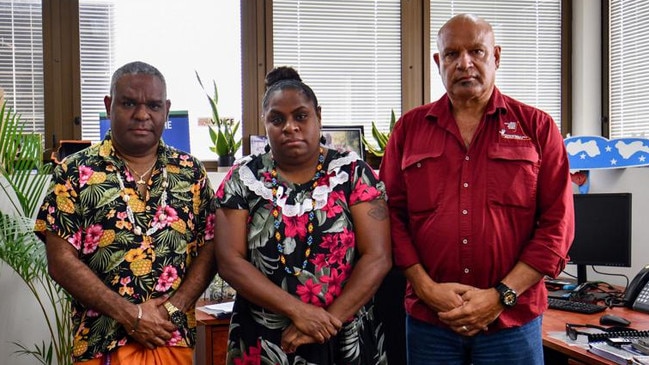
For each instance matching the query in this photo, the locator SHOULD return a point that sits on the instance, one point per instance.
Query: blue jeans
(428, 345)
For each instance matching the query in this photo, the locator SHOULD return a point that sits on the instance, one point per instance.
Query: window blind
(21, 60)
(529, 33)
(96, 34)
(628, 68)
(348, 52)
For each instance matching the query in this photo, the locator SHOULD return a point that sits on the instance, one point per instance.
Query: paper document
(218, 310)
(223, 307)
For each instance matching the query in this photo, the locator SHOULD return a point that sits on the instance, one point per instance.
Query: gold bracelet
(137, 321)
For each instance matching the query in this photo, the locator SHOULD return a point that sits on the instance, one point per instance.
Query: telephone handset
(637, 294)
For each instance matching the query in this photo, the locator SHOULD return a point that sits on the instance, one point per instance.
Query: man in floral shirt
(128, 231)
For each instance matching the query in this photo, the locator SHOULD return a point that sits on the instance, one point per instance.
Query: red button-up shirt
(469, 215)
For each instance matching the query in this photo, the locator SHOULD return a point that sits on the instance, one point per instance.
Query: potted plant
(375, 151)
(24, 179)
(222, 130)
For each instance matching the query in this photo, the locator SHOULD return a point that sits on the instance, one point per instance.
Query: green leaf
(381, 138)
(222, 132)
(222, 148)
(213, 135)
(25, 179)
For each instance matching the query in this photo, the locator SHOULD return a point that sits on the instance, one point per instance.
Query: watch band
(508, 296)
(170, 307)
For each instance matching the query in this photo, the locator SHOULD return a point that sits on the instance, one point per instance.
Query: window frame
(606, 123)
(62, 66)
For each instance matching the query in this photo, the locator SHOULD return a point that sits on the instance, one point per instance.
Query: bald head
(465, 22)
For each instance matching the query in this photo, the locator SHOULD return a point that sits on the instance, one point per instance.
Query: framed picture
(344, 138)
(258, 144)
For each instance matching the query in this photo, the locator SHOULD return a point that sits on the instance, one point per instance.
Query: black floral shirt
(297, 214)
(86, 206)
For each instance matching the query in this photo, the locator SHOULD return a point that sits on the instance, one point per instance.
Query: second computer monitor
(602, 231)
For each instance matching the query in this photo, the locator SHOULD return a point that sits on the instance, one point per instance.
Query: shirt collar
(440, 110)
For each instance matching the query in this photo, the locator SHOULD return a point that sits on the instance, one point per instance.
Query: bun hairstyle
(281, 73)
(286, 77)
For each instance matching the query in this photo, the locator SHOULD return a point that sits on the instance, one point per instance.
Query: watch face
(178, 318)
(507, 295)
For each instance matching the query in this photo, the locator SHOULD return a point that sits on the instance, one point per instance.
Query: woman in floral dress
(303, 236)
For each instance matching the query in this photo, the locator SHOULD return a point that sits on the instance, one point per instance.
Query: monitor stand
(582, 277)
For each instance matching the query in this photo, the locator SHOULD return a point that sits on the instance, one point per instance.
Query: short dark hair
(136, 68)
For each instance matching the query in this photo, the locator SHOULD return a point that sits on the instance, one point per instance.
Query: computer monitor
(602, 231)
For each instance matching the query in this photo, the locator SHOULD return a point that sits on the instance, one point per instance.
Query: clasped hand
(154, 329)
(311, 325)
(477, 309)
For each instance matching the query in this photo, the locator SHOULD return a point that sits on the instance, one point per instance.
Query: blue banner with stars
(595, 152)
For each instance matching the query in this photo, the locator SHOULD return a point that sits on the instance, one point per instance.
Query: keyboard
(577, 307)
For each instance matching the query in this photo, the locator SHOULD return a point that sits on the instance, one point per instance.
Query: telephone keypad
(642, 301)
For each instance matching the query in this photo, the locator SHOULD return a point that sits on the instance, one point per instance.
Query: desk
(557, 352)
(211, 337)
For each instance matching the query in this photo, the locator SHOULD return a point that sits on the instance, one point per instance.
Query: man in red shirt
(481, 209)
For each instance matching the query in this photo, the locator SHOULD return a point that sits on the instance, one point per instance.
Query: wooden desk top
(555, 321)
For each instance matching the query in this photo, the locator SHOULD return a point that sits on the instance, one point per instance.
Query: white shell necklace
(159, 223)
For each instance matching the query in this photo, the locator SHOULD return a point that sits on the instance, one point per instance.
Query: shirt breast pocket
(425, 179)
(512, 175)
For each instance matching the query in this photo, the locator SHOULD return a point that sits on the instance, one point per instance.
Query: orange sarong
(136, 354)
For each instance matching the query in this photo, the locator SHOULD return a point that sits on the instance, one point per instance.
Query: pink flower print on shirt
(332, 208)
(319, 261)
(91, 239)
(329, 241)
(309, 292)
(92, 313)
(337, 257)
(334, 282)
(75, 240)
(347, 238)
(84, 174)
(209, 226)
(166, 279)
(296, 226)
(363, 193)
(253, 357)
(175, 339)
(221, 190)
(164, 216)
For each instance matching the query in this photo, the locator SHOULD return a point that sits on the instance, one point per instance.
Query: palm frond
(23, 181)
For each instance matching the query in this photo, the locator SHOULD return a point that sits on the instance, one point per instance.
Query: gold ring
(465, 328)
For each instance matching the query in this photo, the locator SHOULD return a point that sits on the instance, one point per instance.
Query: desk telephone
(637, 294)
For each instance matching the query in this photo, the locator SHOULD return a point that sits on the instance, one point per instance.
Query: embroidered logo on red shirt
(513, 130)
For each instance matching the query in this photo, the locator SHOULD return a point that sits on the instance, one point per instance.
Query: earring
(323, 140)
(267, 148)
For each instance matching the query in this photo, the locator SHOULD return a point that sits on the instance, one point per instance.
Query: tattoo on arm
(379, 210)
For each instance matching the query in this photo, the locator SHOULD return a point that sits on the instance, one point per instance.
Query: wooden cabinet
(211, 338)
